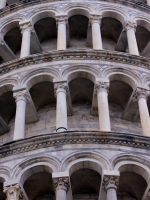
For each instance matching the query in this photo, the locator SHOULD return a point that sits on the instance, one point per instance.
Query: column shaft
(111, 194)
(61, 36)
(21, 100)
(103, 109)
(148, 2)
(144, 116)
(25, 47)
(61, 109)
(61, 194)
(132, 43)
(20, 120)
(96, 34)
(2, 3)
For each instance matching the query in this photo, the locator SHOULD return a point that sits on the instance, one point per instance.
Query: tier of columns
(62, 23)
(61, 185)
(61, 90)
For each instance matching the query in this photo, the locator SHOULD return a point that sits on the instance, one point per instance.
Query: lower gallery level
(76, 166)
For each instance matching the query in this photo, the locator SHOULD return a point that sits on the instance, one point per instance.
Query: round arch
(38, 15)
(34, 165)
(82, 160)
(123, 75)
(78, 11)
(37, 76)
(134, 164)
(5, 174)
(113, 13)
(142, 21)
(81, 72)
(11, 23)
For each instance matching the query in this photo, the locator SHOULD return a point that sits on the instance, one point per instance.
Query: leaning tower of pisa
(74, 100)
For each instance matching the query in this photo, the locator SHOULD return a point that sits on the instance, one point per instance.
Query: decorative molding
(130, 26)
(110, 182)
(101, 87)
(13, 192)
(21, 95)
(61, 20)
(102, 55)
(22, 4)
(60, 85)
(81, 137)
(61, 183)
(26, 26)
(95, 19)
(140, 93)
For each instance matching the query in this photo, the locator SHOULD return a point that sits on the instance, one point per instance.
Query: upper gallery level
(74, 25)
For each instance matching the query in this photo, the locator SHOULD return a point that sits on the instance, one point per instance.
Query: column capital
(21, 95)
(110, 182)
(61, 183)
(101, 87)
(60, 86)
(26, 26)
(130, 26)
(61, 20)
(13, 192)
(140, 93)
(95, 19)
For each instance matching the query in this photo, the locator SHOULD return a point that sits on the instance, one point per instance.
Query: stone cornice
(74, 137)
(21, 4)
(101, 55)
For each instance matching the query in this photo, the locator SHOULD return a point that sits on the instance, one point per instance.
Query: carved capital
(26, 26)
(140, 93)
(101, 87)
(95, 19)
(61, 183)
(61, 20)
(22, 95)
(110, 182)
(13, 192)
(130, 26)
(60, 86)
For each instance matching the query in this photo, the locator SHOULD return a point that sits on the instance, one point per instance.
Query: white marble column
(26, 29)
(61, 186)
(61, 107)
(61, 34)
(96, 32)
(13, 192)
(101, 88)
(2, 4)
(132, 43)
(148, 2)
(110, 184)
(141, 95)
(21, 101)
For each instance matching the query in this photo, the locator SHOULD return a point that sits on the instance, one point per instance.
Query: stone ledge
(102, 55)
(74, 137)
(24, 3)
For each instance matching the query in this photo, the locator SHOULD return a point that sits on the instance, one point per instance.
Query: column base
(61, 129)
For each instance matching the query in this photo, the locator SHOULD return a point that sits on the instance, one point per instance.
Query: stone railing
(72, 137)
(25, 3)
(102, 55)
